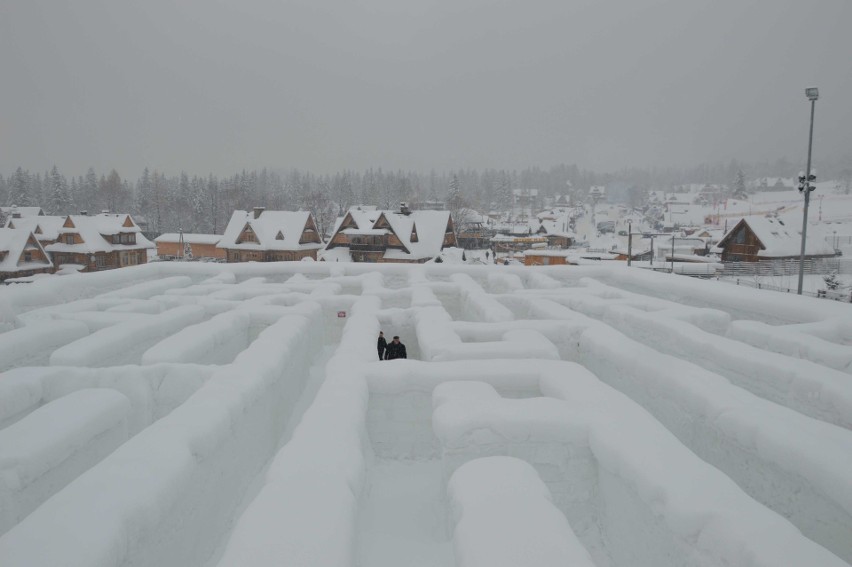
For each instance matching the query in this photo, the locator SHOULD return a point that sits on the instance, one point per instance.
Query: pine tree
(21, 194)
(504, 193)
(58, 201)
(739, 191)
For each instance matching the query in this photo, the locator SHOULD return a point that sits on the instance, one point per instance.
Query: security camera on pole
(805, 185)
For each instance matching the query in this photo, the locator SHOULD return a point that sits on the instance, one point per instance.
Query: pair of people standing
(392, 350)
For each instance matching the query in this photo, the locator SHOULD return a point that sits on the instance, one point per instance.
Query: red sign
(341, 314)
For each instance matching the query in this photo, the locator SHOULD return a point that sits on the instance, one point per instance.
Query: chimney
(258, 211)
(403, 209)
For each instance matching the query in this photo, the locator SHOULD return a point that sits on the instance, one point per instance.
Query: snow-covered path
(403, 519)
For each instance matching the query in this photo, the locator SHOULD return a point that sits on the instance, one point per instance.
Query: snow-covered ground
(230, 415)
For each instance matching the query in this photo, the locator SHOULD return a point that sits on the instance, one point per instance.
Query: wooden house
(21, 254)
(270, 236)
(99, 242)
(366, 234)
(15, 212)
(557, 233)
(173, 245)
(44, 227)
(756, 239)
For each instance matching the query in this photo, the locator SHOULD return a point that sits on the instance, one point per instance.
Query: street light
(805, 184)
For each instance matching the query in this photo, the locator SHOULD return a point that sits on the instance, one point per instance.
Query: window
(739, 238)
(69, 239)
(28, 256)
(100, 260)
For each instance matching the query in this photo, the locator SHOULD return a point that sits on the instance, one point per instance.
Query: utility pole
(629, 243)
(805, 185)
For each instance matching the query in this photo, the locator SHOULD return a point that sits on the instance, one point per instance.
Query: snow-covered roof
(93, 230)
(14, 242)
(24, 212)
(45, 228)
(430, 227)
(781, 237)
(273, 230)
(556, 228)
(189, 238)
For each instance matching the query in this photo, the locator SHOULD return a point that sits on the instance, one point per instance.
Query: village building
(557, 234)
(15, 212)
(761, 239)
(44, 227)
(539, 257)
(21, 254)
(189, 246)
(475, 232)
(270, 236)
(99, 242)
(367, 234)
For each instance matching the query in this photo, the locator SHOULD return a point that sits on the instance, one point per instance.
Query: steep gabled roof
(781, 237)
(24, 212)
(273, 230)
(44, 227)
(430, 229)
(94, 229)
(14, 242)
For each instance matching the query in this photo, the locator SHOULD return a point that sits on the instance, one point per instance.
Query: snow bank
(305, 513)
(32, 344)
(153, 391)
(399, 416)
(150, 501)
(796, 465)
(791, 340)
(145, 290)
(564, 335)
(54, 291)
(504, 282)
(813, 390)
(50, 447)
(216, 341)
(97, 320)
(125, 342)
(505, 517)
(516, 343)
(476, 305)
(536, 279)
(625, 473)
(745, 303)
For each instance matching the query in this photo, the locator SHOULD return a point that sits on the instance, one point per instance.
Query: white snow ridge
(236, 415)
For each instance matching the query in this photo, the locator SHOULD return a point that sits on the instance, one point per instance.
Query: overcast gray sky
(217, 86)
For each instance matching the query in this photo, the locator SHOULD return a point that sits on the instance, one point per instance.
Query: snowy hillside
(208, 415)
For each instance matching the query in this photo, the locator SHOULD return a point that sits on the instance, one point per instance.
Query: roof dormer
(248, 235)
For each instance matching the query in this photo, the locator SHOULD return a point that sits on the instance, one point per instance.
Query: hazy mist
(210, 86)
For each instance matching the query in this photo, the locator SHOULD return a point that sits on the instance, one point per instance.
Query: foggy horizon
(221, 87)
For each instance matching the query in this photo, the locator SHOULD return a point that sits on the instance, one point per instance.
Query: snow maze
(237, 415)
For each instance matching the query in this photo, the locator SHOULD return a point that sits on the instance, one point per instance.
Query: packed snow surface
(210, 415)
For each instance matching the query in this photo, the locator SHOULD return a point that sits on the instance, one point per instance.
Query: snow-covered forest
(203, 203)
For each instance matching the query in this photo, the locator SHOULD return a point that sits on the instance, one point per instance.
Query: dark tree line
(204, 203)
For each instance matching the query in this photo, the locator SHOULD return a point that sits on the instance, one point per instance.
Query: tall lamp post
(805, 184)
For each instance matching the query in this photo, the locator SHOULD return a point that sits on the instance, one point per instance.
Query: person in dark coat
(395, 350)
(382, 345)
